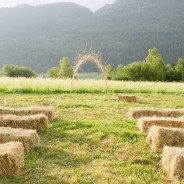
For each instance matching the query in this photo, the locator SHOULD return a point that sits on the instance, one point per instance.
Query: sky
(92, 4)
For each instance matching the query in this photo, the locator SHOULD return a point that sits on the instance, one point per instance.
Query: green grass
(91, 140)
(52, 86)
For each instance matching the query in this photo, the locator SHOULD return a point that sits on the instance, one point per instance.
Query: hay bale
(29, 138)
(149, 112)
(173, 162)
(145, 123)
(11, 158)
(128, 98)
(37, 122)
(48, 111)
(160, 136)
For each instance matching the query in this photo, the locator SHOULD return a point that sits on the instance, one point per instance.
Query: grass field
(91, 140)
(51, 86)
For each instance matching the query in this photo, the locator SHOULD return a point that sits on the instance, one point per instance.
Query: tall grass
(44, 85)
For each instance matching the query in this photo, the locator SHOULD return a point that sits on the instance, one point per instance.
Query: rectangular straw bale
(173, 162)
(29, 138)
(11, 158)
(145, 123)
(149, 112)
(128, 98)
(37, 122)
(159, 136)
(48, 111)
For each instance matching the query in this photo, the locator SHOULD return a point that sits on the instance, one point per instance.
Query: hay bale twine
(149, 112)
(145, 123)
(159, 136)
(173, 162)
(48, 111)
(128, 98)
(37, 122)
(11, 158)
(29, 138)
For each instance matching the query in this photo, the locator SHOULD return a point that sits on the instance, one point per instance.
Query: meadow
(49, 86)
(90, 139)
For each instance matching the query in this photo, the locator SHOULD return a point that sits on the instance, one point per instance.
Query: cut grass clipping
(29, 138)
(37, 122)
(48, 111)
(150, 111)
(173, 162)
(160, 136)
(145, 123)
(11, 158)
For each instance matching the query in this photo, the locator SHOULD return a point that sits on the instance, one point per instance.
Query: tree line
(151, 69)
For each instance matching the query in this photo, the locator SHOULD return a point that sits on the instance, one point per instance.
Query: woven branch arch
(91, 57)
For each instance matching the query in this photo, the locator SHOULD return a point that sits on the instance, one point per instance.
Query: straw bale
(11, 158)
(145, 123)
(29, 138)
(159, 136)
(37, 122)
(149, 112)
(128, 98)
(48, 111)
(173, 162)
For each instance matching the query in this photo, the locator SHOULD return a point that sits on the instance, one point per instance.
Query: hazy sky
(92, 4)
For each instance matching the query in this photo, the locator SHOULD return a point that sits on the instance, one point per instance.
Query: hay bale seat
(173, 162)
(48, 111)
(128, 98)
(159, 136)
(29, 138)
(149, 112)
(37, 122)
(145, 123)
(11, 158)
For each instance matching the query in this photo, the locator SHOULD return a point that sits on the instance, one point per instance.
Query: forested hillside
(40, 36)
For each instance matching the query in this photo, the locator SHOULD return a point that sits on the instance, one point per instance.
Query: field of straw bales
(91, 140)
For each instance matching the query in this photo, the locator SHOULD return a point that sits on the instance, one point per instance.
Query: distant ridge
(38, 36)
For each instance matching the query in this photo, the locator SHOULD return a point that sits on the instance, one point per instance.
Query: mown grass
(91, 140)
(51, 86)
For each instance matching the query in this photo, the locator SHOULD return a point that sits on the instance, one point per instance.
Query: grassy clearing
(48, 86)
(91, 140)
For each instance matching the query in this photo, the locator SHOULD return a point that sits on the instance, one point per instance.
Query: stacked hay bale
(173, 162)
(159, 136)
(128, 98)
(145, 123)
(150, 112)
(11, 158)
(48, 111)
(166, 128)
(37, 122)
(29, 138)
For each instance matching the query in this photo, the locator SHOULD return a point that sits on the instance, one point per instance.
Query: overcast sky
(92, 4)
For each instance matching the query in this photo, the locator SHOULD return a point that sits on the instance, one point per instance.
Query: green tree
(18, 71)
(66, 70)
(180, 68)
(119, 72)
(155, 65)
(108, 72)
(53, 72)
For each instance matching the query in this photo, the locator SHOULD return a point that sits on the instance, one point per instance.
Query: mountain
(39, 36)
